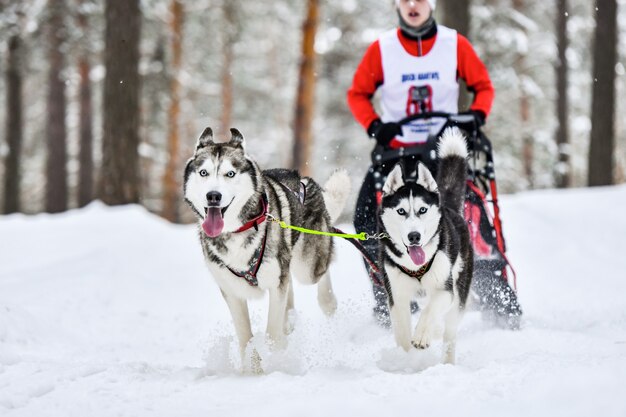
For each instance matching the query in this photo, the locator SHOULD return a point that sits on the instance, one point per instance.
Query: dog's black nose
(414, 238)
(213, 198)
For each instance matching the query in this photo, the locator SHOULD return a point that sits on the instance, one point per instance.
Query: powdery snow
(112, 312)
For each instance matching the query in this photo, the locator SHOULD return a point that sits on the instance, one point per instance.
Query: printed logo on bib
(422, 76)
(420, 100)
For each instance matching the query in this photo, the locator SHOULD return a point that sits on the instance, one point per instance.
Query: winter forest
(107, 307)
(278, 71)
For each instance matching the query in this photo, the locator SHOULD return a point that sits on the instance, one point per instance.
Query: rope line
(359, 236)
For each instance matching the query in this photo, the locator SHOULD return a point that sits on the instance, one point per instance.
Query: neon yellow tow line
(360, 236)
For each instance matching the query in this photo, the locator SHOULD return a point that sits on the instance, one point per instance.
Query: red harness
(257, 257)
(257, 220)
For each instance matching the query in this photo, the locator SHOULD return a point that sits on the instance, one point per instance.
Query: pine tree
(303, 136)
(603, 100)
(85, 157)
(563, 170)
(12, 174)
(119, 179)
(56, 131)
(171, 187)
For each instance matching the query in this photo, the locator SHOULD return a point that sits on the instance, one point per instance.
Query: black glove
(384, 132)
(479, 116)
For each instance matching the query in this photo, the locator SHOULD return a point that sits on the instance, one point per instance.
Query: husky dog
(428, 250)
(246, 253)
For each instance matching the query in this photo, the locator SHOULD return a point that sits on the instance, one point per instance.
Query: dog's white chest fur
(242, 256)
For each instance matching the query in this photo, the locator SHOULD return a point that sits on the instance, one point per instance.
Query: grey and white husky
(246, 253)
(429, 250)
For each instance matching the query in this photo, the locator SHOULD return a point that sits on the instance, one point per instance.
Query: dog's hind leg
(276, 315)
(309, 265)
(288, 327)
(305, 259)
(241, 319)
(325, 295)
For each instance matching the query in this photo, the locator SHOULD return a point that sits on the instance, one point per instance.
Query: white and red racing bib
(419, 84)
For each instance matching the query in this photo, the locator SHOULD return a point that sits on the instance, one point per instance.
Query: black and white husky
(429, 250)
(246, 253)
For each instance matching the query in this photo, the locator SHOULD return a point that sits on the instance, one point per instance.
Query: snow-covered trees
(239, 62)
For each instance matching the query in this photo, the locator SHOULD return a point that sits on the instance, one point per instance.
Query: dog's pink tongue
(213, 222)
(417, 255)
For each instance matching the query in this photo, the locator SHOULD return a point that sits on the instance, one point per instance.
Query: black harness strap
(420, 272)
(257, 257)
(255, 264)
(300, 194)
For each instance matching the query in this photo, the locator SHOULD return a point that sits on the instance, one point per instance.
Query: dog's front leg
(400, 310)
(277, 313)
(241, 319)
(438, 304)
(453, 317)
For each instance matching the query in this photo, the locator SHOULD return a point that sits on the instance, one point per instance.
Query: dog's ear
(236, 138)
(205, 139)
(394, 181)
(425, 178)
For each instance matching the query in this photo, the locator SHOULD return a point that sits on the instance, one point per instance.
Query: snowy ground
(111, 312)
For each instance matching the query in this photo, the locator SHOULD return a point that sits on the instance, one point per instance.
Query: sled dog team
(427, 251)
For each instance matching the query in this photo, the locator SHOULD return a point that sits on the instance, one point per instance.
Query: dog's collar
(420, 272)
(258, 219)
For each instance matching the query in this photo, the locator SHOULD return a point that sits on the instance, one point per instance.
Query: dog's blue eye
(230, 174)
(401, 211)
(203, 173)
(423, 210)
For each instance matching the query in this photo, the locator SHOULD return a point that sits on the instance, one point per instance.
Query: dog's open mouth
(417, 255)
(214, 220)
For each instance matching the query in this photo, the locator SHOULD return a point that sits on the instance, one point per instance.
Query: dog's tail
(453, 168)
(336, 191)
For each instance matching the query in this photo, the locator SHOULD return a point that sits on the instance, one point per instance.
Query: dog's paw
(422, 337)
(420, 345)
(255, 363)
(252, 362)
(449, 353)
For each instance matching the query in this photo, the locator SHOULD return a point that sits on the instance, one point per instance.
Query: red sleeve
(367, 78)
(475, 74)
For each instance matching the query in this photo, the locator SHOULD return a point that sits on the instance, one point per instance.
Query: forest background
(105, 99)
